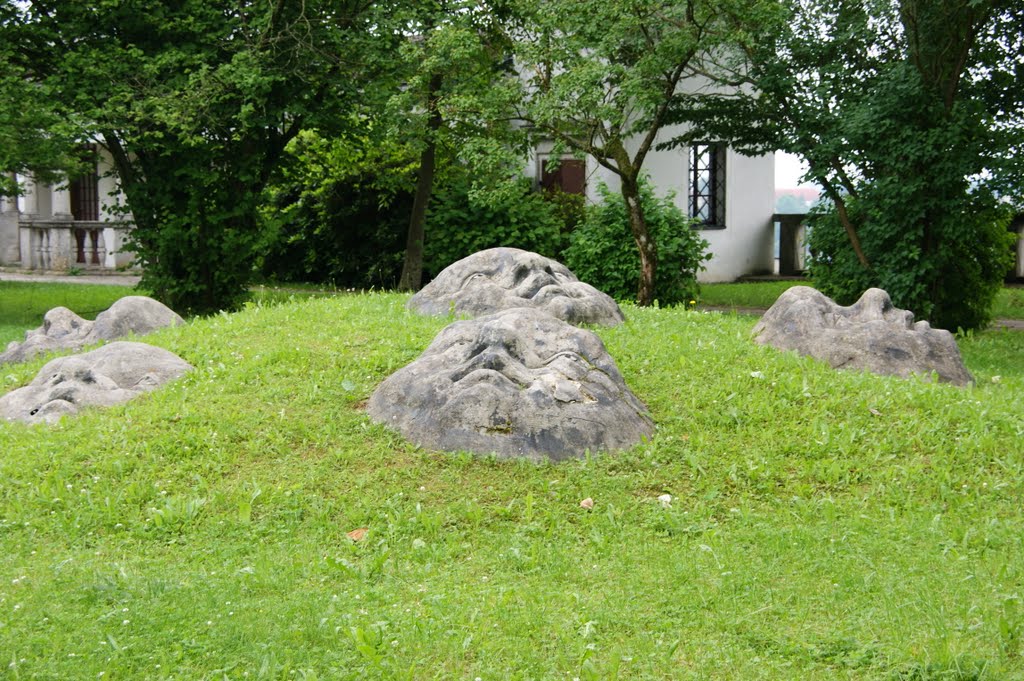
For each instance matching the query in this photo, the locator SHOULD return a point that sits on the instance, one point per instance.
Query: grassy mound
(823, 525)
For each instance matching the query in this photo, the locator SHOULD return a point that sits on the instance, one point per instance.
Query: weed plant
(823, 524)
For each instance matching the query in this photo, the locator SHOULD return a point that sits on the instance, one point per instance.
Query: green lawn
(1009, 302)
(825, 525)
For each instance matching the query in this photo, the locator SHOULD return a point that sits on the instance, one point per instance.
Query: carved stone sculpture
(870, 335)
(109, 375)
(62, 329)
(503, 278)
(518, 383)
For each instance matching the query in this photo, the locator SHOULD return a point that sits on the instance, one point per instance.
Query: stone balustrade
(60, 245)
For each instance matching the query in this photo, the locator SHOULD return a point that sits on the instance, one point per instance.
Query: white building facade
(733, 197)
(66, 227)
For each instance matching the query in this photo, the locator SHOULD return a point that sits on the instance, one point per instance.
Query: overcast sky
(788, 169)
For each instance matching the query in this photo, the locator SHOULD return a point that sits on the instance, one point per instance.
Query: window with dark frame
(85, 194)
(707, 184)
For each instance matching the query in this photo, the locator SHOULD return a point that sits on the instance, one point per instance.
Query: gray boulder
(62, 329)
(870, 335)
(518, 383)
(106, 376)
(503, 278)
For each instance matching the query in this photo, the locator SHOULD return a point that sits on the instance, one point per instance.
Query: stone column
(30, 199)
(10, 239)
(60, 196)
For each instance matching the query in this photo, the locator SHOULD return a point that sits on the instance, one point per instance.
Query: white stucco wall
(746, 245)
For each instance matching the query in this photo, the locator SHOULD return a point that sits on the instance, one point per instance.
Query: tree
(455, 90)
(34, 140)
(196, 101)
(892, 104)
(600, 76)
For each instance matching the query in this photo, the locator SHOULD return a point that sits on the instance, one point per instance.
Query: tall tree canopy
(456, 94)
(196, 100)
(906, 113)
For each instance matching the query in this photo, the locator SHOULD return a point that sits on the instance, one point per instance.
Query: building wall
(31, 236)
(746, 244)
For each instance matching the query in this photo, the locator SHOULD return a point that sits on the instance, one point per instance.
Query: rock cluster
(870, 335)
(109, 375)
(62, 329)
(503, 278)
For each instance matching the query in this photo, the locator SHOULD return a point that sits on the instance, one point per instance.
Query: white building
(75, 226)
(732, 195)
(67, 226)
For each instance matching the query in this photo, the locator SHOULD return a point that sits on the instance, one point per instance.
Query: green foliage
(462, 221)
(353, 239)
(953, 287)
(824, 525)
(603, 255)
(599, 77)
(196, 101)
(339, 210)
(916, 151)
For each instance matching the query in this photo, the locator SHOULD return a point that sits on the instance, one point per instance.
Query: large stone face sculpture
(103, 377)
(62, 329)
(870, 335)
(517, 383)
(504, 278)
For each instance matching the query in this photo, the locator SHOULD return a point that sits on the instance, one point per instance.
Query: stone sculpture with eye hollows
(109, 375)
(62, 329)
(518, 383)
(504, 278)
(870, 335)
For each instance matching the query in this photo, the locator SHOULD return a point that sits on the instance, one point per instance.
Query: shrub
(602, 251)
(461, 222)
(351, 236)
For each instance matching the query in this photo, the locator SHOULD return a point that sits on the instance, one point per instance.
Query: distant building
(66, 226)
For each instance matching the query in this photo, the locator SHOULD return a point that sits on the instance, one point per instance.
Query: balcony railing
(68, 244)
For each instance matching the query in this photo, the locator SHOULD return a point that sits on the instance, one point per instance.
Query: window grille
(707, 184)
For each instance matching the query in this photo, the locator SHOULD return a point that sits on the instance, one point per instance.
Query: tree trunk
(412, 268)
(644, 243)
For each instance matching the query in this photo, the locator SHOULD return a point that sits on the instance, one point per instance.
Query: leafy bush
(461, 222)
(352, 237)
(602, 251)
(931, 221)
(338, 213)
